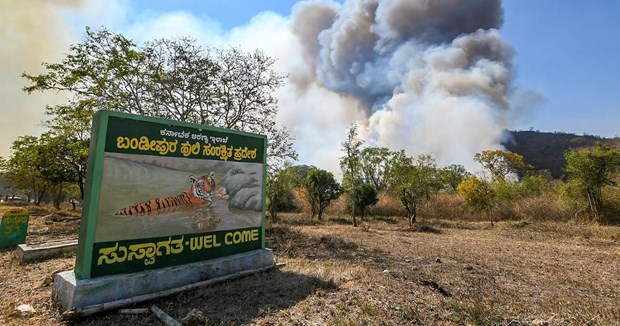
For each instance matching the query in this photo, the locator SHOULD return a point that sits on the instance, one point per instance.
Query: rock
(25, 309)
(438, 260)
(247, 199)
(236, 179)
(242, 188)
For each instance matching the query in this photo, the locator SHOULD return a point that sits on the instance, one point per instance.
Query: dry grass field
(444, 272)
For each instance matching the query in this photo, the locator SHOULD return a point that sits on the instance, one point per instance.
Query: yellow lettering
(186, 148)
(208, 241)
(177, 246)
(120, 143)
(164, 244)
(195, 243)
(133, 143)
(104, 252)
(215, 243)
(144, 144)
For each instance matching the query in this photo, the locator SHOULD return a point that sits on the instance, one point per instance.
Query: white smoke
(30, 32)
(432, 76)
(33, 32)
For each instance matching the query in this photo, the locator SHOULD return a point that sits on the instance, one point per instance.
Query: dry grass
(446, 272)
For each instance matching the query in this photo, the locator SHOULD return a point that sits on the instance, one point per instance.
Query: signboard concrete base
(115, 291)
(28, 253)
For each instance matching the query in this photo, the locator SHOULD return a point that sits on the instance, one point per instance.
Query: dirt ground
(382, 273)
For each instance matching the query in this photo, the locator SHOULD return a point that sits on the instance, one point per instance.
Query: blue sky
(566, 51)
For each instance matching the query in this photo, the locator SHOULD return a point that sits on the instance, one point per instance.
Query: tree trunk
(273, 215)
(353, 208)
(490, 216)
(595, 204)
(81, 185)
(39, 198)
(412, 215)
(354, 218)
(57, 199)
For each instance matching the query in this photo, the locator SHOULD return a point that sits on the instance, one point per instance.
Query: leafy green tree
(414, 180)
(39, 165)
(299, 173)
(453, 175)
(171, 78)
(322, 189)
(279, 193)
(589, 170)
(501, 163)
(21, 168)
(54, 154)
(350, 165)
(72, 124)
(365, 195)
(479, 194)
(6, 188)
(373, 165)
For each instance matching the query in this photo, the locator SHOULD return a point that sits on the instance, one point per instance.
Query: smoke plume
(31, 32)
(428, 76)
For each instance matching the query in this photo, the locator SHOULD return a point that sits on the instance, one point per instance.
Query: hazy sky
(565, 67)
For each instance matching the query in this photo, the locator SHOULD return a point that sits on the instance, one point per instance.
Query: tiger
(201, 192)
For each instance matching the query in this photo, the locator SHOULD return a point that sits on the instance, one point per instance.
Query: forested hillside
(545, 150)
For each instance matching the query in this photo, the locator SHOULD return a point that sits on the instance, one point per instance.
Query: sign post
(163, 195)
(14, 227)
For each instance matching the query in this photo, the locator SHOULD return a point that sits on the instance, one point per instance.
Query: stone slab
(71, 293)
(27, 253)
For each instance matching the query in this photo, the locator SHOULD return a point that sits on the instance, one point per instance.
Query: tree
(365, 195)
(350, 165)
(479, 194)
(21, 168)
(39, 165)
(322, 188)
(72, 124)
(279, 191)
(300, 172)
(589, 170)
(55, 153)
(171, 78)
(374, 163)
(6, 188)
(453, 175)
(413, 181)
(501, 163)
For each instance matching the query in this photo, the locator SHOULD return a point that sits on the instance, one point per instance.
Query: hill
(545, 150)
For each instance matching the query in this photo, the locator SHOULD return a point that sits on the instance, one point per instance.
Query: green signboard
(13, 227)
(163, 193)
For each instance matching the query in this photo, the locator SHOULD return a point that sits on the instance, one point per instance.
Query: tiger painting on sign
(201, 192)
